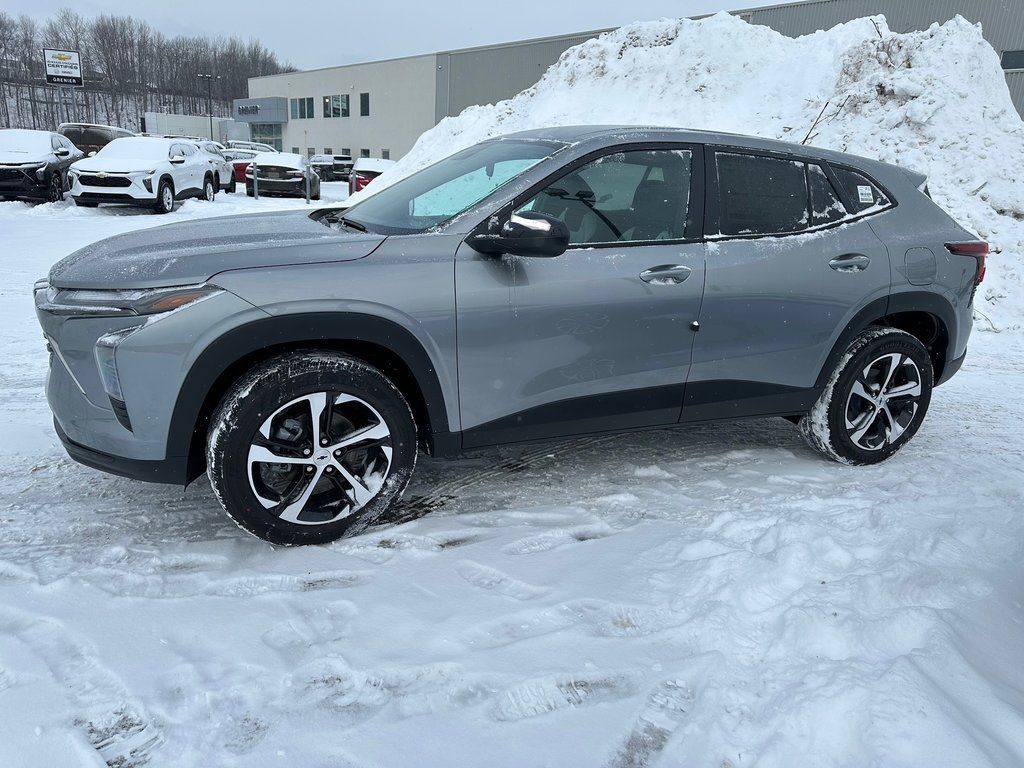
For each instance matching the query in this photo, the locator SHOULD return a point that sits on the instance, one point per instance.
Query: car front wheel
(55, 193)
(164, 197)
(874, 401)
(310, 446)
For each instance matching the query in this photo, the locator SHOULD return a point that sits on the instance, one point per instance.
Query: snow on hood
(192, 252)
(934, 101)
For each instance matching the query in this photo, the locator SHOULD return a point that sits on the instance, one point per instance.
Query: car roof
(603, 135)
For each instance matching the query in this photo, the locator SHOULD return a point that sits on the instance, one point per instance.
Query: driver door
(597, 338)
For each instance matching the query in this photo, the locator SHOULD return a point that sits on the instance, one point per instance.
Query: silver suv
(547, 283)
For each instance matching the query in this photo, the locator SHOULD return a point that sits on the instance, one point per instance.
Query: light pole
(209, 98)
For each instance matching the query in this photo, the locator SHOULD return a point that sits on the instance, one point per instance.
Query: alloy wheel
(319, 458)
(883, 401)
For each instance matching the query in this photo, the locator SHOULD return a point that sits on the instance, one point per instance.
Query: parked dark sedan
(282, 173)
(34, 164)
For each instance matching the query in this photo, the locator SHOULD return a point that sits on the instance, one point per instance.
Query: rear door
(787, 268)
(599, 337)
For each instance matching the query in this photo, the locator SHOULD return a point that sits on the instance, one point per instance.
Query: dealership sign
(62, 67)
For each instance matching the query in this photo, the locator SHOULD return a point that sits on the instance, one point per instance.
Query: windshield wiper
(352, 224)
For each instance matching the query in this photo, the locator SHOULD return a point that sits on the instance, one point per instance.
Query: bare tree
(129, 68)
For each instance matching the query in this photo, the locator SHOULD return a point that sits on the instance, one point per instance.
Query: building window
(295, 150)
(336, 106)
(328, 150)
(267, 133)
(310, 151)
(1013, 60)
(385, 154)
(302, 109)
(346, 151)
(364, 153)
(364, 105)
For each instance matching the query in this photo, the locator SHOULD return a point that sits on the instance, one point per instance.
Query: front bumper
(24, 188)
(173, 469)
(152, 363)
(122, 188)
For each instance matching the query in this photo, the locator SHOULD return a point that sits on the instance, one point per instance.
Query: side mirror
(62, 152)
(524, 234)
(178, 159)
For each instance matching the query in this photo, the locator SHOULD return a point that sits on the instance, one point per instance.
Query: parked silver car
(548, 283)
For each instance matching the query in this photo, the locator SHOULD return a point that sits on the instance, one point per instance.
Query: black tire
(249, 190)
(232, 186)
(875, 401)
(55, 192)
(326, 477)
(164, 197)
(209, 189)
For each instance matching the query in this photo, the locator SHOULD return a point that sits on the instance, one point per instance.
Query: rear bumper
(951, 368)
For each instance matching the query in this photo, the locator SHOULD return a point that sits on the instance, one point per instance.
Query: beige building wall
(402, 105)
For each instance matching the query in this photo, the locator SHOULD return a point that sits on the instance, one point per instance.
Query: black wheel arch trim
(878, 310)
(204, 383)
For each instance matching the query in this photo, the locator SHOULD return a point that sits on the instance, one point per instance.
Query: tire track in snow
(115, 723)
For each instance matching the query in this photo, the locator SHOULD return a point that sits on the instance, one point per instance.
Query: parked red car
(365, 170)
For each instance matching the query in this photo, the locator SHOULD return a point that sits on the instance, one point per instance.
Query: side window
(760, 195)
(860, 190)
(55, 142)
(622, 197)
(826, 207)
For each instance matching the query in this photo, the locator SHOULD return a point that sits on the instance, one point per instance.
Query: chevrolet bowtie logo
(101, 175)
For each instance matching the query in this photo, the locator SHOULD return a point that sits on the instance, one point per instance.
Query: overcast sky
(322, 33)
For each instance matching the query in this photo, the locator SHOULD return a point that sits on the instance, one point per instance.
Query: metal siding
(487, 75)
(1015, 82)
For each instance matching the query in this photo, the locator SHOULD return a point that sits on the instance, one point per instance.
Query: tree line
(128, 67)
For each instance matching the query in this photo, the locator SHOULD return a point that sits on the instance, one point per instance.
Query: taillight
(976, 248)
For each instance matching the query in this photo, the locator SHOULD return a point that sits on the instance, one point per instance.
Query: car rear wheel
(231, 186)
(164, 197)
(310, 446)
(209, 190)
(875, 401)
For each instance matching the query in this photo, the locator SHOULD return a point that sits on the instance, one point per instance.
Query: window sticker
(865, 194)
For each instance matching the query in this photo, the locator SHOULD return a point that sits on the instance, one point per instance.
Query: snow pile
(935, 101)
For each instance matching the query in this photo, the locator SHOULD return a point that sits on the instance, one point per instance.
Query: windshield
(32, 143)
(447, 188)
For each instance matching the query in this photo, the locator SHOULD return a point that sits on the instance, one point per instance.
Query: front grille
(104, 181)
(10, 174)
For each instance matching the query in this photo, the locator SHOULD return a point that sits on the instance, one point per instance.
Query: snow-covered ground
(713, 596)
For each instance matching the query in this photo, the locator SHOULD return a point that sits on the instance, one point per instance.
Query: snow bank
(935, 101)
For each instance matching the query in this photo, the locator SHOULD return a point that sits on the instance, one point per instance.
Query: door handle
(666, 274)
(850, 262)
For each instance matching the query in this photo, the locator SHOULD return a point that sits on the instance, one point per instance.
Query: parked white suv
(145, 171)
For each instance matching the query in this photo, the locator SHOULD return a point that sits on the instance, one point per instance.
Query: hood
(17, 157)
(116, 164)
(192, 252)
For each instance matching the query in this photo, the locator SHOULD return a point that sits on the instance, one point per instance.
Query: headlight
(106, 348)
(143, 301)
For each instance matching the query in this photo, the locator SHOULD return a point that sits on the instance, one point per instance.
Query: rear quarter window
(861, 192)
